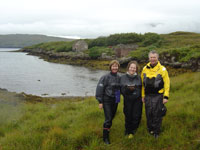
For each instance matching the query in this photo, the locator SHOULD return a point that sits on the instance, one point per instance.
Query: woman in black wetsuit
(108, 96)
(131, 90)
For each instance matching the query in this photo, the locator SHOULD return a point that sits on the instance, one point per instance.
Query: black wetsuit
(105, 94)
(131, 90)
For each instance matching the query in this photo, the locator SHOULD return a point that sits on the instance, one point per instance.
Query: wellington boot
(156, 136)
(106, 141)
(106, 136)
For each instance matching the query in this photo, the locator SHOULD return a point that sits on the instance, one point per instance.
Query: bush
(96, 52)
(124, 38)
(101, 41)
(152, 38)
(184, 54)
(64, 48)
(142, 53)
(53, 46)
(114, 39)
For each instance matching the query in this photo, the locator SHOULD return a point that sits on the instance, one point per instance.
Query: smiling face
(153, 58)
(114, 68)
(132, 69)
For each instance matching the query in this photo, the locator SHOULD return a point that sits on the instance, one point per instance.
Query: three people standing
(152, 88)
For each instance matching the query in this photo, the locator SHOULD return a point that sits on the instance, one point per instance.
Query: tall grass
(77, 125)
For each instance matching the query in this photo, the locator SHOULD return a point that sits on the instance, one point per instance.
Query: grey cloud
(100, 18)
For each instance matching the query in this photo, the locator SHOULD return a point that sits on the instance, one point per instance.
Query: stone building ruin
(122, 50)
(79, 46)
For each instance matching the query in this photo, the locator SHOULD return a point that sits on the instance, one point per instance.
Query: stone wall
(79, 46)
(122, 50)
(167, 59)
(171, 60)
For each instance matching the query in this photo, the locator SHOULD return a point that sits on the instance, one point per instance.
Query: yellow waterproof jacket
(155, 80)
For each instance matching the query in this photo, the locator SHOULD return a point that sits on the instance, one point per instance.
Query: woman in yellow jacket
(155, 92)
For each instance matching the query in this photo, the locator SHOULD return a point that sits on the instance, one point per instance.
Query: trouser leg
(136, 114)
(110, 109)
(132, 112)
(128, 115)
(153, 105)
(148, 111)
(157, 117)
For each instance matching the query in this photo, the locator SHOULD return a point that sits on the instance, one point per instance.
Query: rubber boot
(106, 136)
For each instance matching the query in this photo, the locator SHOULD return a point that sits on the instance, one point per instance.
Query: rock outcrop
(165, 58)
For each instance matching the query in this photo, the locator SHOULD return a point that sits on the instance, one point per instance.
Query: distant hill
(22, 40)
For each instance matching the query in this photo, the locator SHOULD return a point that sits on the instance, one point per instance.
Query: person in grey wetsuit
(131, 90)
(108, 96)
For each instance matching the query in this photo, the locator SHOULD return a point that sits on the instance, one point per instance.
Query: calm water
(20, 72)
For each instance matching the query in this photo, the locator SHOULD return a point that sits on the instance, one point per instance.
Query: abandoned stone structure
(79, 46)
(122, 50)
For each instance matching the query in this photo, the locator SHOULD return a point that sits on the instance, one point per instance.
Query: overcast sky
(94, 18)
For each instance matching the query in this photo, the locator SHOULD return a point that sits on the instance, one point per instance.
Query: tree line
(127, 38)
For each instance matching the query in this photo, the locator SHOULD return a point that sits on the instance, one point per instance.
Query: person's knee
(107, 124)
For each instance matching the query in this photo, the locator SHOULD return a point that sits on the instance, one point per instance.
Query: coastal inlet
(20, 72)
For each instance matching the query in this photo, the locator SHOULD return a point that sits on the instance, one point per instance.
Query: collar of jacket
(155, 67)
(131, 76)
(113, 74)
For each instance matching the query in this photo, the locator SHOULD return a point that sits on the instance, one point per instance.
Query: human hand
(143, 100)
(131, 88)
(165, 100)
(100, 106)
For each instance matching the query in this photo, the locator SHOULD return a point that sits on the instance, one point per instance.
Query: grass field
(77, 124)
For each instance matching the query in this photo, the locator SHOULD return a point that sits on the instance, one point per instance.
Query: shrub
(152, 38)
(96, 52)
(101, 41)
(142, 53)
(114, 39)
(124, 38)
(184, 54)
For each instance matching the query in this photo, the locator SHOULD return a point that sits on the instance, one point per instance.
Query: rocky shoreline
(72, 58)
(82, 59)
(14, 98)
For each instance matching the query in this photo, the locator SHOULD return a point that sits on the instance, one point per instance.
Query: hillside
(76, 124)
(22, 40)
(177, 50)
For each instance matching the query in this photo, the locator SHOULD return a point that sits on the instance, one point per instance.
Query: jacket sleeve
(166, 83)
(100, 89)
(142, 77)
(122, 88)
